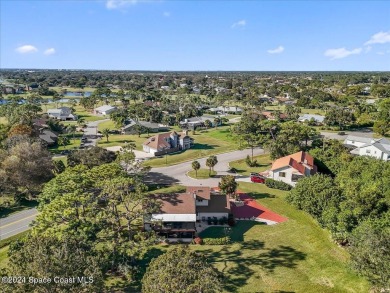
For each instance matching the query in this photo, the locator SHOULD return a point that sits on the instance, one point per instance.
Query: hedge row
(212, 241)
(271, 183)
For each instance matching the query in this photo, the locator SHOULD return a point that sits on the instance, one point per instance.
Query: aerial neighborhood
(260, 173)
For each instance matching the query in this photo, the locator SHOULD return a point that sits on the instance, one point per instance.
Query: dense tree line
(354, 206)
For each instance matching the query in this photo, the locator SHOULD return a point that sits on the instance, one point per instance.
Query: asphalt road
(91, 132)
(16, 223)
(176, 174)
(334, 135)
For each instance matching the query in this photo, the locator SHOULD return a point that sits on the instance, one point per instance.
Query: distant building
(271, 115)
(318, 119)
(378, 148)
(198, 122)
(135, 127)
(104, 110)
(291, 168)
(49, 137)
(226, 110)
(167, 143)
(62, 113)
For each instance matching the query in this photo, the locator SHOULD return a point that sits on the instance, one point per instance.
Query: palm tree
(80, 121)
(211, 162)
(130, 145)
(72, 130)
(106, 133)
(196, 167)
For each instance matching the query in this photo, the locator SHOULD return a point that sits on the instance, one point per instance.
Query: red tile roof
(200, 191)
(296, 161)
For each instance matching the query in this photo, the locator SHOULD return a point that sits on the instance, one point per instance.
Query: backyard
(294, 256)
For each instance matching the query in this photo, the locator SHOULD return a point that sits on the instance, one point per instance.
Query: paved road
(16, 223)
(333, 135)
(177, 174)
(91, 131)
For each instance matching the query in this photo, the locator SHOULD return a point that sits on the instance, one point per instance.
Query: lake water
(77, 94)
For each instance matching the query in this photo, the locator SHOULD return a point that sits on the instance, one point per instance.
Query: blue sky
(195, 35)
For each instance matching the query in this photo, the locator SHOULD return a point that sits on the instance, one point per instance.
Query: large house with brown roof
(164, 143)
(291, 168)
(178, 213)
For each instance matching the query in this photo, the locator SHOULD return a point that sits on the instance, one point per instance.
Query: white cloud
(379, 38)
(367, 49)
(49, 51)
(240, 23)
(380, 53)
(341, 53)
(167, 14)
(277, 50)
(119, 4)
(26, 49)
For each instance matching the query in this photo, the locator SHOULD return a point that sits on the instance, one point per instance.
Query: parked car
(341, 133)
(258, 179)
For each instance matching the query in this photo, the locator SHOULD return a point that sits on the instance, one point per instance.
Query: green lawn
(303, 111)
(202, 174)
(121, 139)
(263, 161)
(107, 124)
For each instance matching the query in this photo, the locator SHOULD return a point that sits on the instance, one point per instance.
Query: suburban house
(223, 110)
(104, 110)
(291, 168)
(137, 126)
(49, 137)
(178, 213)
(198, 122)
(165, 143)
(62, 113)
(365, 146)
(271, 115)
(318, 119)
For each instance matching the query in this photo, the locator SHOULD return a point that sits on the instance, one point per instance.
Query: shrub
(249, 162)
(271, 183)
(217, 241)
(198, 241)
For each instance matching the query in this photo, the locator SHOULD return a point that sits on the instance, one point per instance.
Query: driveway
(91, 132)
(176, 174)
(16, 223)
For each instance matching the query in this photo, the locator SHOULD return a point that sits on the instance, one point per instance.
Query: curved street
(176, 174)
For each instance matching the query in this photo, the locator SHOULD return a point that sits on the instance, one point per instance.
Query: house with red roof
(291, 168)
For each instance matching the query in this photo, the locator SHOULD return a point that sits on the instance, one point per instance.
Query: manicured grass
(303, 110)
(208, 142)
(107, 124)
(121, 139)
(263, 161)
(202, 174)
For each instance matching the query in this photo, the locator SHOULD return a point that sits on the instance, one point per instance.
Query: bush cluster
(271, 183)
(216, 241)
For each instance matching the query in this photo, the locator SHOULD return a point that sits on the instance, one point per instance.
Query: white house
(104, 110)
(62, 113)
(290, 169)
(167, 142)
(223, 110)
(378, 148)
(319, 119)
